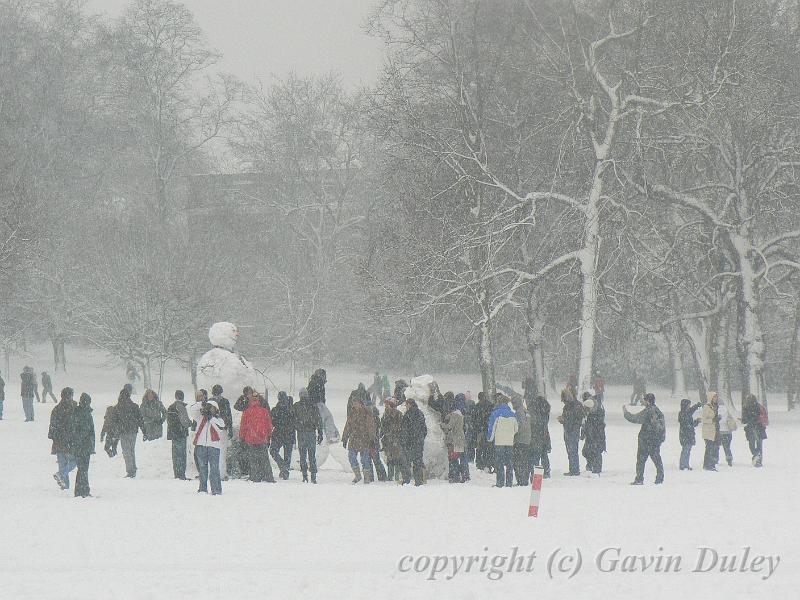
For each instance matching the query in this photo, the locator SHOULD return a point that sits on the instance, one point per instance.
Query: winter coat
(391, 433)
(225, 413)
(306, 417)
(539, 412)
(651, 419)
(686, 424)
(710, 419)
(29, 387)
(359, 431)
(753, 429)
(153, 416)
(414, 430)
(453, 427)
(523, 436)
(128, 416)
(209, 430)
(178, 421)
(594, 430)
(481, 415)
(109, 424)
(316, 387)
(283, 431)
(59, 426)
(47, 383)
(572, 415)
(81, 431)
(256, 426)
(399, 392)
(502, 426)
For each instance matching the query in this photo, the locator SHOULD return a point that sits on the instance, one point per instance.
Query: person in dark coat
(81, 443)
(594, 433)
(484, 458)
(754, 417)
(59, 433)
(399, 392)
(178, 423)
(283, 434)
(571, 418)
(153, 416)
(47, 387)
(308, 423)
(358, 437)
(539, 411)
(375, 450)
(109, 432)
(413, 436)
(227, 417)
(316, 386)
(651, 436)
(128, 423)
(391, 433)
(686, 433)
(28, 390)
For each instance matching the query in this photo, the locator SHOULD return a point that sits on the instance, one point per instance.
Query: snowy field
(155, 537)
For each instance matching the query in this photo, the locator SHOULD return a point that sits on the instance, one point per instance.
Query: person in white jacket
(502, 429)
(207, 442)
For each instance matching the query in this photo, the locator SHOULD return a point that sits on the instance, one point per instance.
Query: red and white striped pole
(536, 490)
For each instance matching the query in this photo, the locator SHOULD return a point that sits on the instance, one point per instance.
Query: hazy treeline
(547, 187)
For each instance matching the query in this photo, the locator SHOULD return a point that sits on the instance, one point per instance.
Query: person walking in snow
(754, 418)
(391, 433)
(308, 424)
(651, 436)
(81, 443)
(522, 442)
(414, 432)
(178, 423)
(571, 418)
(47, 387)
(153, 416)
(59, 434)
(283, 434)
(501, 430)
(28, 391)
(709, 416)
(210, 429)
(484, 457)
(454, 438)
(686, 433)
(357, 437)
(255, 431)
(129, 421)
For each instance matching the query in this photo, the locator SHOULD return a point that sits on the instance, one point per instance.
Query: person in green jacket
(81, 442)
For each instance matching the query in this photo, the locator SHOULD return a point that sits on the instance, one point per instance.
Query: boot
(313, 478)
(357, 473)
(305, 477)
(369, 477)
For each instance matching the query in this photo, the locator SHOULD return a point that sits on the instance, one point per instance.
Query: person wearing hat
(81, 443)
(594, 433)
(501, 430)
(178, 423)
(709, 416)
(207, 442)
(686, 434)
(651, 436)
(59, 433)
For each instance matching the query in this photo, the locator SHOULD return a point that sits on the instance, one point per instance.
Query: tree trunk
(535, 339)
(752, 339)
(699, 334)
(792, 379)
(146, 374)
(675, 346)
(588, 257)
(486, 359)
(59, 354)
(722, 378)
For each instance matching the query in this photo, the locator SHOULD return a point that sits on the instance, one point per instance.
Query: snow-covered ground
(155, 537)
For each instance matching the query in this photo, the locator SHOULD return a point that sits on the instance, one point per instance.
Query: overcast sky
(261, 38)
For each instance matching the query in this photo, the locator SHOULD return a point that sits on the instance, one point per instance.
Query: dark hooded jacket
(316, 386)
(59, 426)
(687, 423)
(283, 432)
(81, 429)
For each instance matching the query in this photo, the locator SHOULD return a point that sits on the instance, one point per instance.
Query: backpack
(659, 426)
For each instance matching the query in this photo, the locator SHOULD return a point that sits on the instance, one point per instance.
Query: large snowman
(224, 366)
(434, 453)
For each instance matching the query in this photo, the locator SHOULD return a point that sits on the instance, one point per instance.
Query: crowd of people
(507, 435)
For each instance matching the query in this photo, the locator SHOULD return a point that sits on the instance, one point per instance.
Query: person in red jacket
(255, 431)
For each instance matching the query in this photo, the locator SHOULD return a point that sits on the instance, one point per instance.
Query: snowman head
(223, 335)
